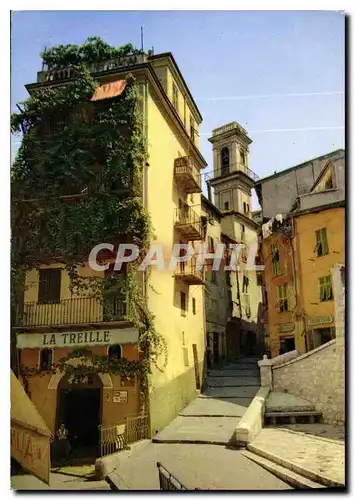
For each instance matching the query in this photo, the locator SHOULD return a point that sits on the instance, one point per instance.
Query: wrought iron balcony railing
(98, 67)
(189, 272)
(232, 168)
(188, 223)
(76, 311)
(187, 174)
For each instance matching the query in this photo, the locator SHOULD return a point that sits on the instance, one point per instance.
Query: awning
(108, 90)
(30, 436)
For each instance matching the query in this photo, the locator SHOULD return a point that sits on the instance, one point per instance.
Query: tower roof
(229, 130)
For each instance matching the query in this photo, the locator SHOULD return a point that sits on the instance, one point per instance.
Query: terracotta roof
(109, 90)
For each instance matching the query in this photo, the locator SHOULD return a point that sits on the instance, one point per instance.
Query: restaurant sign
(289, 327)
(31, 450)
(320, 320)
(77, 338)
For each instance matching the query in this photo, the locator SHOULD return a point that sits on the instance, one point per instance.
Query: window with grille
(46, 359)
(282, 298)
(325, 288)
(321, 242)
(175, 97)
(275, 260)
(183, 303)
(49, 286)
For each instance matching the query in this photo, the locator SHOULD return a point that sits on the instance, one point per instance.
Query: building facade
(299, 250)
(54, 321)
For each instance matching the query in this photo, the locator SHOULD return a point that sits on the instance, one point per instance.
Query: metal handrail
(72, 311)
(232, 169)
(186, 215)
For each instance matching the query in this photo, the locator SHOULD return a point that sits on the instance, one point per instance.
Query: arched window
(224, 161)
(46, 359)
(114, 352)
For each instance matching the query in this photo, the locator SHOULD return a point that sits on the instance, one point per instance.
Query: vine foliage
(76, 182)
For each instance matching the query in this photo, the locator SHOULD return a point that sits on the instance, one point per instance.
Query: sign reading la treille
(75, 339)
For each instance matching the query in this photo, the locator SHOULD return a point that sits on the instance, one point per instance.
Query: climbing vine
(76, 182)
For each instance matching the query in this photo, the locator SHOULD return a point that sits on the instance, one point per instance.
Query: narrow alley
(212, 417)
(209, 422)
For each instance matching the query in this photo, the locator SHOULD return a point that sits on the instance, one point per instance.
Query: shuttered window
(325, 288)
(49, 286)
(322, 242)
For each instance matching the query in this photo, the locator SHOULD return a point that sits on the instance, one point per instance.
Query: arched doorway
(79, 408)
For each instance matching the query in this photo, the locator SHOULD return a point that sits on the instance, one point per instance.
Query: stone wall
(319, 375)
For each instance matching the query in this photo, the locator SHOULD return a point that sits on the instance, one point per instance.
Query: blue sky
(239, 65)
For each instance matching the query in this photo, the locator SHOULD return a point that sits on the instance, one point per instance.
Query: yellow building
(55, 321)
(320, 243)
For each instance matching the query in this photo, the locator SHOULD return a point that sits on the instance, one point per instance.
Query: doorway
(287, 344)
(79, 408)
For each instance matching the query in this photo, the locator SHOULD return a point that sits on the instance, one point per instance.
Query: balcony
(188, 223)
(187, 272)
(123, 62)
(76, 311)
(232, 169)
(187, 175)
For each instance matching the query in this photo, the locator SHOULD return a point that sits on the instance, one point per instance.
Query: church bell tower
(232, 179)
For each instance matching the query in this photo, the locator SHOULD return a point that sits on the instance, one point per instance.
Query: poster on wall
(120, 397)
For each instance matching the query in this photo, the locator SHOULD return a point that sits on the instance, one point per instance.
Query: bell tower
(232, 179)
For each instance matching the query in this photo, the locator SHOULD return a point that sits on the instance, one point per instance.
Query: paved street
(63, 482)
(213, 416)
(202, 466)
(321, 457)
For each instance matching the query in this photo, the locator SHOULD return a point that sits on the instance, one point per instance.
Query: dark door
(80, 412)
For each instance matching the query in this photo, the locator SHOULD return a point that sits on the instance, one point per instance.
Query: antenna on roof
(142, 44)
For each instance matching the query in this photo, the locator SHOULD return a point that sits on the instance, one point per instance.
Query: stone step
(299, 446)
(231, 392)
(198, 430)
(288, 476)
(242, 372)
(292, 417)
(232, 381)
(202, 407)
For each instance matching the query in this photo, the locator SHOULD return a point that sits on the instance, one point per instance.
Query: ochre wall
(312, 267)
(277, 319)
(46, 399)
(175, 387)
